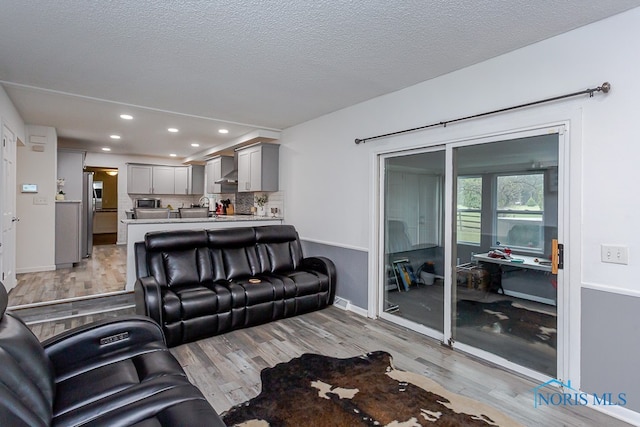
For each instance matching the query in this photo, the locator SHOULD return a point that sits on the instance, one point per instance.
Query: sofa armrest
(96, 343)
(326, 266)
(148, 298)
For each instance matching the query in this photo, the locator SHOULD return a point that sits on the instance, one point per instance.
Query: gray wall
(351, 270)
(610, 345)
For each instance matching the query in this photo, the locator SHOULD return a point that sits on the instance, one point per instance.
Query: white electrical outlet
(615, 254)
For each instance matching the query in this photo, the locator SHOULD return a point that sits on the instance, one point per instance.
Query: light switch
(615, 254)
(40, 200)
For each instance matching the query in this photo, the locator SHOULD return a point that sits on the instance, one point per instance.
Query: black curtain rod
(605, 88)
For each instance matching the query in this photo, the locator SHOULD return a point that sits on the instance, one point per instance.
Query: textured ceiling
(254, 63)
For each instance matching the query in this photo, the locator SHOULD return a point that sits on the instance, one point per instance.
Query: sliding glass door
(496, 296)
(504, 294)
(413, 238)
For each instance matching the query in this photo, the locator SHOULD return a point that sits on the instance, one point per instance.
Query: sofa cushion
(119, 378)
(182, 406)
(238, 263)
(199, 300)
(278, 248)
(178, 258)
(233, 253)
(195, 311)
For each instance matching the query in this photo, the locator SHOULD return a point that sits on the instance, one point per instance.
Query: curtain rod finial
(606, 87)
(358, 141)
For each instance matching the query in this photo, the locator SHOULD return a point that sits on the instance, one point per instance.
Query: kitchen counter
(220, 218)
(138, 228)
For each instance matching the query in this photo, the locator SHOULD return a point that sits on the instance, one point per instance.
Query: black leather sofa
(111, 373)
(200, 283)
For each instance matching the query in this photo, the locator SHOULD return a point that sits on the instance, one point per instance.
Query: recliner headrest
(159, 241)
(232, 238)
(4, 299)
(276, 233)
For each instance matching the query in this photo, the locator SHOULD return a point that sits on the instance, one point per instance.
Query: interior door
(8, 240)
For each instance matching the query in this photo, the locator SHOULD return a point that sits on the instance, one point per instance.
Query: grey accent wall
(610, 345)
(351, 270)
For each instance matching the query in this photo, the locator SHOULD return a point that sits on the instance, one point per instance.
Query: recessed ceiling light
(126, 116)
(106, 149)
(195, 144)
(223, 130)
(172, 155)
(115, 136)
(174, 130)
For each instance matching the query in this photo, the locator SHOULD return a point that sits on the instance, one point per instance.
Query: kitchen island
(137, 228)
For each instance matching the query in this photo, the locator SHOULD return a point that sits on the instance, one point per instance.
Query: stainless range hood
(230, 178)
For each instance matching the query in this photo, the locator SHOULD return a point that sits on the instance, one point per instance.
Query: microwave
(147, 203)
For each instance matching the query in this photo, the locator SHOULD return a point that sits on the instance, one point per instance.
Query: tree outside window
(520, 211)
(469, 210)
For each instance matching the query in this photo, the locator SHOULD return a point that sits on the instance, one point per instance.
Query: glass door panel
(504, 296)
(413, 238)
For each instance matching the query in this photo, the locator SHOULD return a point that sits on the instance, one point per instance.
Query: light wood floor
(227, 367)
(105, 271)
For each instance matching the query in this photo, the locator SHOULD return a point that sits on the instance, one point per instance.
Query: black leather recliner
(109, 373)
(200, 283)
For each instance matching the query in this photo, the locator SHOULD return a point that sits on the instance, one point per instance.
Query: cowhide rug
(505, 317)
(315, 390)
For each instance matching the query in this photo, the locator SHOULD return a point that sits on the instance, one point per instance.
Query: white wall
(10, 115)
(35, 249)
(328, 179)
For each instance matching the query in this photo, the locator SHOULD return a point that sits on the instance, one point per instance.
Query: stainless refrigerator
(88, 210)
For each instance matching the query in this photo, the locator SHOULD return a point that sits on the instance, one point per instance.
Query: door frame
(8, 252)
(569, 214)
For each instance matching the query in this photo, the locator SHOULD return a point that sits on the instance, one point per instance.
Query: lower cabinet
(68, 235)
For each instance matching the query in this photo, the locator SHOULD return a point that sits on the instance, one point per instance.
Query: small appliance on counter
(146, 202)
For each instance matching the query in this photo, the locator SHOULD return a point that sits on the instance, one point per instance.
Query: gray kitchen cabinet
(258, 168)
(163, 179)
(216, 169)
(160, 179)
(68, 236)
(139, 179)
(189, 179)
(181, 180)
(196, 179)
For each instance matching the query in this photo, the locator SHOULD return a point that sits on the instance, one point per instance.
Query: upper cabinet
(139, 179)
(70, 167)
(164, 180)
(258, 168)
(216, 169)
(157, 179)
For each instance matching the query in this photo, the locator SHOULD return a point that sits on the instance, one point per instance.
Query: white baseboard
(35, 269)
(357, 310)
(619, 412)
(345, 304)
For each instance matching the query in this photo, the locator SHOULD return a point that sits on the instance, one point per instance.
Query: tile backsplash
(243, 202)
